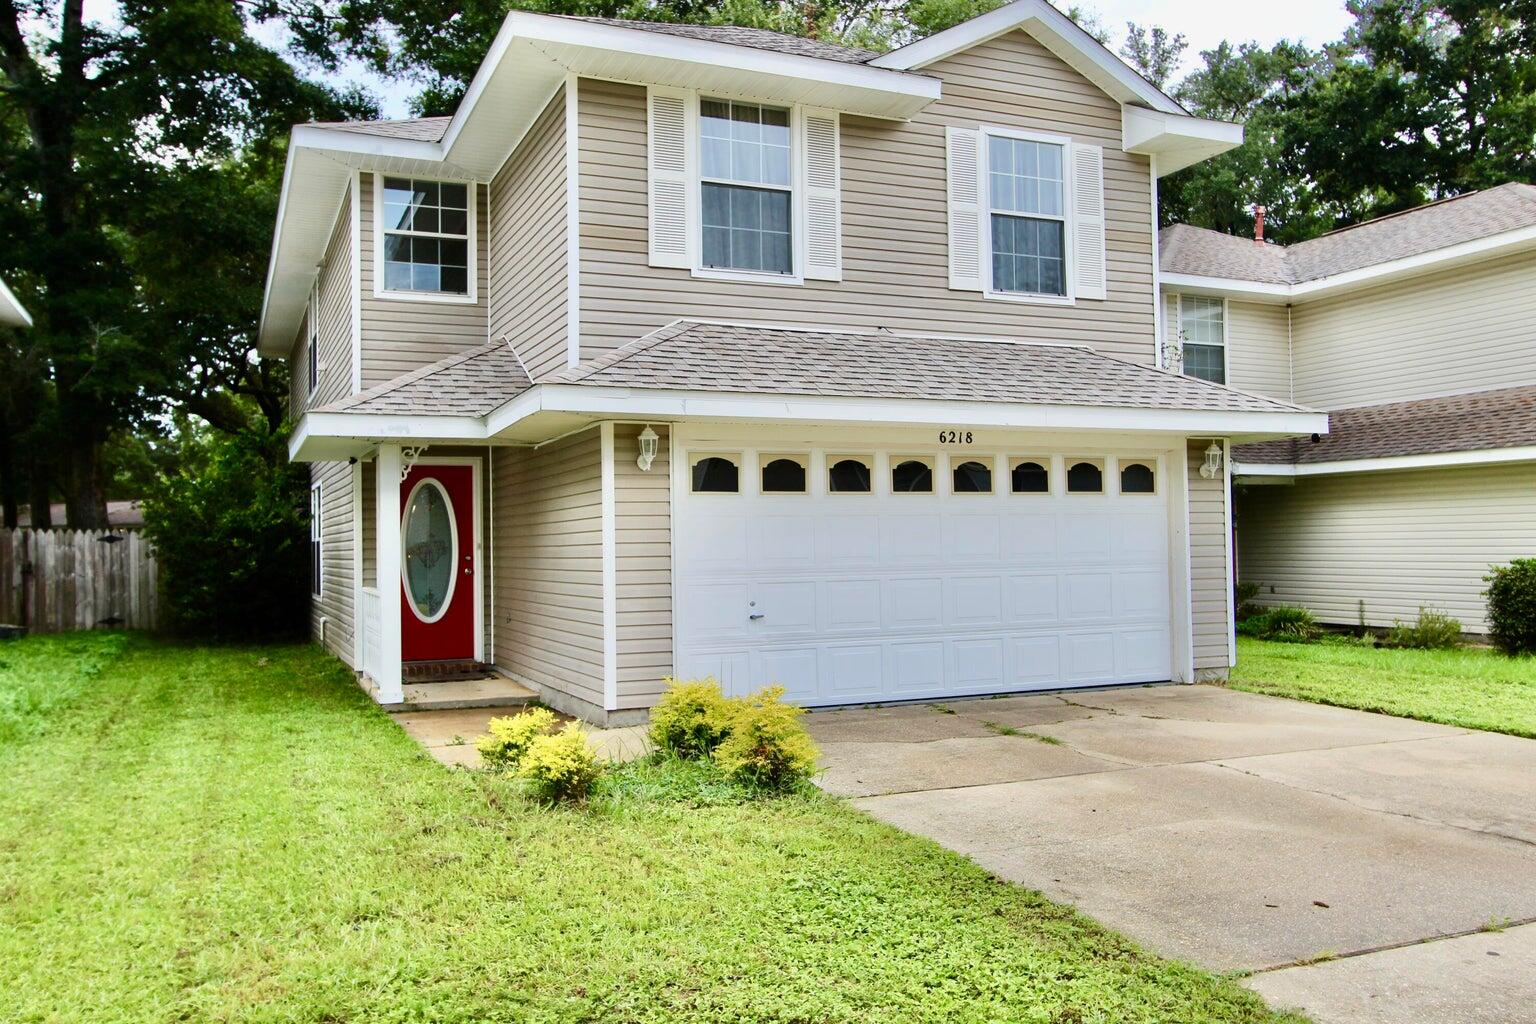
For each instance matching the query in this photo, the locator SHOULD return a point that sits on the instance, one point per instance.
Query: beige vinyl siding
(1459, 330)
(370, 525)
(1208, 565)
(548, 565)
(527, 301)
(336, 559)
(335, 321)
(298, 369)
(400, 335)
(895, 218)
(1392, 540)
(643, 531)
(1258, 349)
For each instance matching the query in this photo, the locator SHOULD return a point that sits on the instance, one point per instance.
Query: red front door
(437, 563)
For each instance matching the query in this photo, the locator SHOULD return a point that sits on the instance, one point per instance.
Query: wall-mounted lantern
(1211, 468)
(648, 440)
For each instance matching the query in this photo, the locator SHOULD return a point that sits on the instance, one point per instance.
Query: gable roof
(740, 35)
(418, 129)
(471, 383)
(1481, 421)
(1422, 231)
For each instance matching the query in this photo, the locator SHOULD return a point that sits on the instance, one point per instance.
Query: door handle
(755, 616)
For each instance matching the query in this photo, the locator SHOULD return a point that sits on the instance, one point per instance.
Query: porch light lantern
(648, 440)
(1211, 468)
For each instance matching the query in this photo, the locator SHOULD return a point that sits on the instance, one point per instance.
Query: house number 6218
(956, 437)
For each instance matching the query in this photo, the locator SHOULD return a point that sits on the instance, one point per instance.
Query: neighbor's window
(847, 474)
(1027, 200)
(1137, 478)
(716, 474)
(1085, 478)
(314, 540)
(745, 186)
(1031, 477)
(973, 476)
(426, 236)
(1203, 325)
(911, 475)
(784, 474)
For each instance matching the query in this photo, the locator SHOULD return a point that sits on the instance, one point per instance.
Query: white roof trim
(1056, 31)
(601, 401)
(12, 312)
(1432, 460)
(1463, 252)
(1176, 140)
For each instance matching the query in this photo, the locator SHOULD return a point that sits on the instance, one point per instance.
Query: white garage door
(855, 575)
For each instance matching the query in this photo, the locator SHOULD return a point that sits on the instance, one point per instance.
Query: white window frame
(1226, 321)
(312, 384)
(737, 459)
(472, 240)
(796, 190)
(986, 209)
(316, 540)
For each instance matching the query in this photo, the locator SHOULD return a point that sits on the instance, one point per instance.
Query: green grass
(1471, 687)
(239, 835)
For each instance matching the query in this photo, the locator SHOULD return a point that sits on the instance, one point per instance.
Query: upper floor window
(1026, 195)
(1203, 331)
(313, 342)
(426, 236)
(745, 189)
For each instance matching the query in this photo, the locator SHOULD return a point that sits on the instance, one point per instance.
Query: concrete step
(491, 691)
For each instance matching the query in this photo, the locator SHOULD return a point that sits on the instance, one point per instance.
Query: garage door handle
(755, 616)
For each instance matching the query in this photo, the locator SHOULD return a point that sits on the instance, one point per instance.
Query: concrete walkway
(1236, 831)
(449, 735)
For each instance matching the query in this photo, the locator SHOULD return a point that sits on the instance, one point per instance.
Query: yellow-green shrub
(692, 717)
(561, 766)
(511, 735)
(767, 746)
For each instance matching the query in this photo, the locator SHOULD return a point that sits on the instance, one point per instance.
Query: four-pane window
(1026, 193)
(745, 193)
(426, 236)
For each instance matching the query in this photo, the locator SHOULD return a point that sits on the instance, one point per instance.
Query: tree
(138, 156)
(1155, 53)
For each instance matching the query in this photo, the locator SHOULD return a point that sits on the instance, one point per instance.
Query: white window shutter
(963, 145)
(668, 171)
(1089, 263)
(823, 189)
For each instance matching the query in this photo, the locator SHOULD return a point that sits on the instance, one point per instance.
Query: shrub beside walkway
(238, 835)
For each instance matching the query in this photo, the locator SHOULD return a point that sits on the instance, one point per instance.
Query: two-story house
(1417, 333)
(712, 351)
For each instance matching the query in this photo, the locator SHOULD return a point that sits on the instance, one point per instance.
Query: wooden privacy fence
(56, 580)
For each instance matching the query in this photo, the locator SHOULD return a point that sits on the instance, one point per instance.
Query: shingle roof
(1197, 251)
(416, 129)
(471, 383)
(698, 356)
(738, 35)
(1460, 423)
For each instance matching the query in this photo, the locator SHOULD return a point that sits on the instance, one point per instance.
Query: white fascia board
(367, 430)
(1432, 460)
(12, 312)
(1465, 252)
(340, 140)
(1060, 34)
(671, 404)
(1177, 140)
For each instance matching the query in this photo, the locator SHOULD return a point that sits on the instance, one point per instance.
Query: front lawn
(194, 834)
(1471, 687)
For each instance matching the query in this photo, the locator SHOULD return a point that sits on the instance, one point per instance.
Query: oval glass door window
(429, 550)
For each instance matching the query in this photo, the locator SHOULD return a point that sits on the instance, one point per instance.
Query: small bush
(1348, 640)
(692, 718)
(511, 735)
(1431, 632)
(1285, 623)
(562, 765)
(1511, 597)
(1245, 592)
(767, 746)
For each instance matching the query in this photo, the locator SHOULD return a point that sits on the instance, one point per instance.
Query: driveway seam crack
(1388, 947)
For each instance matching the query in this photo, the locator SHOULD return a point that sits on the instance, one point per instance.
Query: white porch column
(386, 536)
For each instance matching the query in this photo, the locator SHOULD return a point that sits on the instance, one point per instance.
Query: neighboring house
(705, 350)
(1417, 334)
(122, 515)
(12, 312)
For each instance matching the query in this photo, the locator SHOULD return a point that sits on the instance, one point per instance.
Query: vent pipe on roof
(1258, 224)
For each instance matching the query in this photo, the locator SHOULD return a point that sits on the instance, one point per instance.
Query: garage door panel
(1140, 594)
(844, 540)
(978, 666)
(850, 605)
(782, 542)
(1087, 596)
(1034, 600)
(914, 604)
(972, 539)
(975, 601)
(731, 670)
(786, 608)
(716, 611)
(1085, 536)
(1143, 655)
(1030, 539)
(1088, 657)
(1141, 538)
(795, 669)
(852, 672)
(907, 540)
(1034, 661)
(718, 542)
(915, 669)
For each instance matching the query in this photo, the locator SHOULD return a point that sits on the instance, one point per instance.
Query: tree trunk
(85, 503)
(38, 497)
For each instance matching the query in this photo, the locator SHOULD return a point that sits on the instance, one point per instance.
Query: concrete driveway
(1236, 831)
